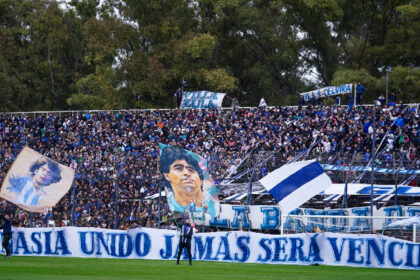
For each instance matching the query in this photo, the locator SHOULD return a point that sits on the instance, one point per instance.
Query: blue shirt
(7, 226)
(359, 89)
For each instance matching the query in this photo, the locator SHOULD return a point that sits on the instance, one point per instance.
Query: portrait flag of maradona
(35, 182)
(188, 184)
(293, 184)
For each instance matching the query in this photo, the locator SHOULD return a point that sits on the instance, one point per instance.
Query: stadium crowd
(115, 154)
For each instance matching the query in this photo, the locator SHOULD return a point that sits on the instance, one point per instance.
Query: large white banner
(367, 250)
(327, 91)
(201, 99)
(35, 182)
(268, 217)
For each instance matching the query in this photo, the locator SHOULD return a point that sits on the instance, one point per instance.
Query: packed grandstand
(115, 153)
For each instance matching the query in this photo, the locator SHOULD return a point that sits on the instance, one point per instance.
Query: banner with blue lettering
(365, 250)
(366, 168)
(201, 99)
(268, 217)
(327, 91)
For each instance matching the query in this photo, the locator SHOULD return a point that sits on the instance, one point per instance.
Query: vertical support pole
(281, 223)
(73, 197)
(372, 174)
(31, 219)
(414, 233)
(160, 199)
(115, 182)
(116, 204)
(386, 90)
(396, 179)
(354, 95)
(249, 197)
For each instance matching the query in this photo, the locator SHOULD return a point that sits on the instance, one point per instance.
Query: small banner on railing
(327, 91)
(201, 99)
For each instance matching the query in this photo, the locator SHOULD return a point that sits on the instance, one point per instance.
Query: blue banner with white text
(364, 250)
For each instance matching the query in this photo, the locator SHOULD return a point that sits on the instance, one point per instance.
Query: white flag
(293, 184)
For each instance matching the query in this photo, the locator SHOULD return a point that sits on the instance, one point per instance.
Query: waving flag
(406, 222)
(188, 184)
(293, 184)
(35, 182)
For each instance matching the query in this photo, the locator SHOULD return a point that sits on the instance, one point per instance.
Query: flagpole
(31, 219)
(396, 179)
(281, 223)
(344, 201)
(159, 200)
(115, 181)
(372, 174)
(73, 195)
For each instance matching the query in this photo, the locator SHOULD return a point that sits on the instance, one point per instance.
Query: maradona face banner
(364, 250)
(35, 182)
(188, 185)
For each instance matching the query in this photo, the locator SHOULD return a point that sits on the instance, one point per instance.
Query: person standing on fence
(7, 235)
(359, 93)
(187, 231)
(178, 97)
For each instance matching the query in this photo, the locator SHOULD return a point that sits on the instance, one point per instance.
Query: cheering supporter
(115, 154)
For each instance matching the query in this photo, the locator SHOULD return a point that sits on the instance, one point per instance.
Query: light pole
(387, 69)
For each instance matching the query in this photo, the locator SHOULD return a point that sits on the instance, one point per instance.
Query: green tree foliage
(91, 54)
(353, 76)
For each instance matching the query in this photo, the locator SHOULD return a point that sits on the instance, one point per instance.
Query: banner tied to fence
(327, 91)
(364, 250)
(201, 99)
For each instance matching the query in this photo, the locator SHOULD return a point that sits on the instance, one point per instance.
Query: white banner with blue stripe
(327, 91)
(201, 99)
(359, 250)
(293, 184)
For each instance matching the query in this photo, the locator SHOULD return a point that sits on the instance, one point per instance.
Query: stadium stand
(115, 153)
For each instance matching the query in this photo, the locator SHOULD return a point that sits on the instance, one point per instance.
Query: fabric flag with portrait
(35, 182)
(189, 187)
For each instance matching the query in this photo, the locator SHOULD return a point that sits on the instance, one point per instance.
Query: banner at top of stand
(188, 184)
(327, 91)
(201, 99)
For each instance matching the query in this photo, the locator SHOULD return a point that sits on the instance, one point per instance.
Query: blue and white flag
(293, 184)
(201, 99)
